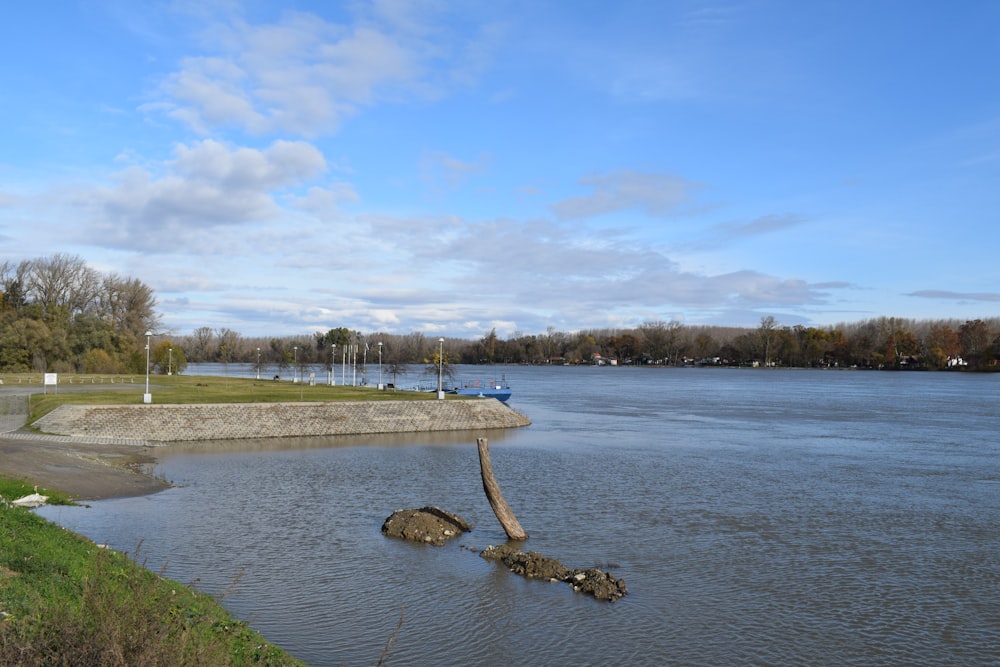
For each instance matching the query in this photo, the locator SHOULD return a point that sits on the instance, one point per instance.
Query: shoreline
(99, 452)
(80, 469)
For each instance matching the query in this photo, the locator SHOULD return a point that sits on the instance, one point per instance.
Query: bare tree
(229, 343)
(62, 281)
(766, 332)
(128, 304)
(202, 339)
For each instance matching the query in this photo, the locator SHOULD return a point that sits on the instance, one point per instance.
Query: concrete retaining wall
(169, 423)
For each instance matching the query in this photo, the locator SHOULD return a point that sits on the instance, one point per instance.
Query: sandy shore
(85, 471)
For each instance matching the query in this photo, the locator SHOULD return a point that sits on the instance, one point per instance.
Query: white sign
(51, 379)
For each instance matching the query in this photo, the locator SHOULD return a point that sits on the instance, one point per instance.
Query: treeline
(59, 315)
(878, 343)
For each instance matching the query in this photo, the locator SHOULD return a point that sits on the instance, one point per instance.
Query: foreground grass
(66, 601)
(183, 389)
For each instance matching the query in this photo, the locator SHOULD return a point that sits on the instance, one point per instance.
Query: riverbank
(65, 600)
(103, 451)
(81, 469)
(225, 421)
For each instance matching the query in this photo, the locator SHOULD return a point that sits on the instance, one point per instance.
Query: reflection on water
(757, 517)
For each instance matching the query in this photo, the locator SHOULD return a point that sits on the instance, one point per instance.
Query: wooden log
(510, 524)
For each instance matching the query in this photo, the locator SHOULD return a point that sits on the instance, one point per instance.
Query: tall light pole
(364, 366)
(170, 361)
(295, 363)
(440, 367)
(380, 365)
(147, 397)
(258, 363)
(333, 365)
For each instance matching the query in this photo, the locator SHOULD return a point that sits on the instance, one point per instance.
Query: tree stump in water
(510, 524)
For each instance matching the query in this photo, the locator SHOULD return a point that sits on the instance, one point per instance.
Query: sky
(452, 167)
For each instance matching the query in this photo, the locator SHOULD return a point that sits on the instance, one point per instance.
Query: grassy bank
(67, 601)
(183, 389)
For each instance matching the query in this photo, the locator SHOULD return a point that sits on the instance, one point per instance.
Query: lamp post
(364, 366)
(440, 367)
(295, 363)
(170, 361)
(258, 363)
(147, 397)
(380, 365)
(333, 365)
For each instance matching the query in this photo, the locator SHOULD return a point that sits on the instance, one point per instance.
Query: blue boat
(499, 390)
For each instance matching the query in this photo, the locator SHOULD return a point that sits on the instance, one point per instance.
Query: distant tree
(941, 342)
(413, 348)
(19, 339)
(655, 336)
(228, 345)
(100, 362)
(339, 337)
(168, 357)
(127, 305)
(489, 346)
(62, 281)
(582, 347)
(438, 362)
(766, 334)
(204, 348)
(12, 284)
(975, 338)
(704, 343)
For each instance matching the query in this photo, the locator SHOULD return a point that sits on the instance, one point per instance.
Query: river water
(762, 517)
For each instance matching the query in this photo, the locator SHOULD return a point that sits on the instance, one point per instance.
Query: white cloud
(956, 296)
(207, 185)
(306, 75)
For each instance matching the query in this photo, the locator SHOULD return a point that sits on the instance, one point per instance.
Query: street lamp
(364, 366)
(333, 365)
(258, 363)
(295, 363)
(170, 361)
(380, 365)
(147, 397)
(440, 367)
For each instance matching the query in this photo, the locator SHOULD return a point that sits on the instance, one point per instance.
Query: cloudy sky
(449, 167)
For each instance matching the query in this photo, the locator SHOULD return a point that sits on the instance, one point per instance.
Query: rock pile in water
(593, 581)
(430, 525)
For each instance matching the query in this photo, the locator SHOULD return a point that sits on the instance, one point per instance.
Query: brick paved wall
(169, 423)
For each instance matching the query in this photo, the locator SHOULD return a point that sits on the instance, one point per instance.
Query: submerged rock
(602, 585)
(430, 525)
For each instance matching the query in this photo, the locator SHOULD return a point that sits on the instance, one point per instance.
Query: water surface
(757, 516)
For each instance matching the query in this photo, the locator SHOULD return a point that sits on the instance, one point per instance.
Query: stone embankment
(174, 423)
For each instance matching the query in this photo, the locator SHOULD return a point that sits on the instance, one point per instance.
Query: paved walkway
(14, 413)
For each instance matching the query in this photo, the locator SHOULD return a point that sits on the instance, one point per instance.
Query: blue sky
(278, 168)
